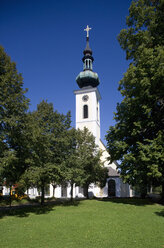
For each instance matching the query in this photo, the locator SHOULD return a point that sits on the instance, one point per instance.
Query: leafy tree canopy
(13, 107)
(90, 160)
(82, 165)
(46, 146)
(137, 137)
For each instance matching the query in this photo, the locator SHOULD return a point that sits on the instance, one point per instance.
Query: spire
(87, 59)
(87, 49)
(87, 77)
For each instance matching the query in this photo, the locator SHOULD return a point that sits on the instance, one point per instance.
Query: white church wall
(122, 190)
(68, 191)
(6, 190)
(131, 192)
(91, 102)
(98, 192)
(105, 190)
(125, 189)
(105, 156)
(32, 192)
(93, 120)
(58, 192)
(51, 190)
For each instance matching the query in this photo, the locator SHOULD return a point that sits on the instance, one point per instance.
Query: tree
(73, 171)
(46, 151)
(13, 107)
(137, 137)
(89, 159)
(82, 165)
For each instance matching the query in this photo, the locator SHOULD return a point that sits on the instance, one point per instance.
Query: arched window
(86, 64)
(90, 64)
(111, 188)
(85, 111)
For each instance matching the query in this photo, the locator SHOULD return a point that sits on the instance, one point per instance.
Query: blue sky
(46, 39)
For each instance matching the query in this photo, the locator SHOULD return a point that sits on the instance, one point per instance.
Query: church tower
(88, 96)
(88, 115)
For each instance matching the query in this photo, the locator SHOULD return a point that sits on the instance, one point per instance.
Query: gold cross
(87, 30)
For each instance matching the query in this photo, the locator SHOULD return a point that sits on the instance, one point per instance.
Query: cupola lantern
(87, 77)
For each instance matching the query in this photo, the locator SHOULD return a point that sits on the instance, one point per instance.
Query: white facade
(88, 97)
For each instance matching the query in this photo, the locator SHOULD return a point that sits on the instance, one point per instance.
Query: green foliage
(90, 160)
(137, 138)
(83, 165)
(37, 148)
(13, 107)
(88, 154)
(71, 166)
(145, 27)
(45, 136)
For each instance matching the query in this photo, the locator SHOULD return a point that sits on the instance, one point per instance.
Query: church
(88, 115)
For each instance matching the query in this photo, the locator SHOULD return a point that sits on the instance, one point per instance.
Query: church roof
(112, 172)
(88, 50)
(87, 77)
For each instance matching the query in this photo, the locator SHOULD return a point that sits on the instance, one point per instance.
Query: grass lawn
(116, 223)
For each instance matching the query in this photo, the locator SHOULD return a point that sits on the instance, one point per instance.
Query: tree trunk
(10, 195)
(143, 191)
(87, 191)
(71, 191)
(42, 194)
(54, 187)
(162, 199)
(86, 186)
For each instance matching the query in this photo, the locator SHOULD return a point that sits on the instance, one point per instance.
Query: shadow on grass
(129, 201)
(161, 213)
(26, 210)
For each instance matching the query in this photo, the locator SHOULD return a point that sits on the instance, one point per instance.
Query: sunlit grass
(116, 223)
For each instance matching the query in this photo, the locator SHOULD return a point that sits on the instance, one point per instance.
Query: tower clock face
(85, 98)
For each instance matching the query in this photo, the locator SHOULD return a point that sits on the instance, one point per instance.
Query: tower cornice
(88, 90)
